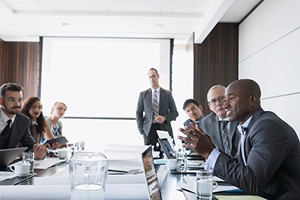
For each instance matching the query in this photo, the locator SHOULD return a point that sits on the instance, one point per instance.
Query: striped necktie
(225, 139)
(155, 104)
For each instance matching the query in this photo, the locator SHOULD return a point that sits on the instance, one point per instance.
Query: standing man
(14, 126)
(268, 162)
(224, 134)
(193, 110)
(155, 110)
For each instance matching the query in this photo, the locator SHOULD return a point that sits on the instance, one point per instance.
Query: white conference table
(168, 181)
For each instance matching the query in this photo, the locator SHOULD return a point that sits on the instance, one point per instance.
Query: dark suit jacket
(210, 125)
(144, 111)
(273, 159)
(20, 134)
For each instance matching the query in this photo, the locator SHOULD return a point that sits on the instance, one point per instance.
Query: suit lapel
(149, 99)
(216, 127)
(161, 98)
(232, 128)
(252, 122)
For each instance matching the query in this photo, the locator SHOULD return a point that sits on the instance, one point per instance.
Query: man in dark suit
(17, 132)
(228, 141)
(268, 162)
(193, 110)
(150, 119)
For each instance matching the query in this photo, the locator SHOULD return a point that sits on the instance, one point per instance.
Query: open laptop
(150, 175)
(7, 156)
(167, 147)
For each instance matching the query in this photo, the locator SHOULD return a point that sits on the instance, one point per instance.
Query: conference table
(168, 182)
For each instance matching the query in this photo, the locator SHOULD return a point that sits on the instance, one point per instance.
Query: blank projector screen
(100, 77)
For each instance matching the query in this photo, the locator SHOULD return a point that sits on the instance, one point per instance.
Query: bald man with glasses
(225, 135)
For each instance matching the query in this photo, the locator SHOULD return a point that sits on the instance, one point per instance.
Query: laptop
(150, 175)
(167, 148)
(7, 156)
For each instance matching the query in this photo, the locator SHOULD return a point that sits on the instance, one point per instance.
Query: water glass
(80, 145)
(204, 184)
(71, 149)
(28, 157)
(181, 160)
(88, 173)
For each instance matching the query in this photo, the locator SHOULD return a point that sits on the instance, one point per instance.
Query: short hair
(153, 69)
(214, 87)
(10, 87)
(188, 101)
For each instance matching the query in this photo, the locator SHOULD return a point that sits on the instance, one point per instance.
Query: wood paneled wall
(215, 61)
(19, 63)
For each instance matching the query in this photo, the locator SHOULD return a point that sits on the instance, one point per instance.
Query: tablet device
(7, 156)
(166, 147)
(60, 140)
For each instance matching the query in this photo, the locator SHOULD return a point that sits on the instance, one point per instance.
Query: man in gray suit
(148, 119)
(268, 161)
(212, 123)
(14, 126)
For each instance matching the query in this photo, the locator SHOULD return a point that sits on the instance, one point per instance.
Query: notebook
(7, 156)
(150, 175)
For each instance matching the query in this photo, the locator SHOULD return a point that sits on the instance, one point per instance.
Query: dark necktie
(242, 142)
(225, 139)
(6, 130)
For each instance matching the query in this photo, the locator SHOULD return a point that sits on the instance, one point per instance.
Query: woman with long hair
(39, 128)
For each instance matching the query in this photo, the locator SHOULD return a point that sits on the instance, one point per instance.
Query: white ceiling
(27, 20)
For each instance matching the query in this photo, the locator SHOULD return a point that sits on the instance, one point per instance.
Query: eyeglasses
(213, 102)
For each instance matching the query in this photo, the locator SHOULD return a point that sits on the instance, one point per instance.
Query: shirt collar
(245, 125)
(157, 89)
(4, 117)
(225, 119)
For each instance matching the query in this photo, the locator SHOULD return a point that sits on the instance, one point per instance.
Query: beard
(12, 111)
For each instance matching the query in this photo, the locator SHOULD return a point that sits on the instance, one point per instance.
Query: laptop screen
(151, 176)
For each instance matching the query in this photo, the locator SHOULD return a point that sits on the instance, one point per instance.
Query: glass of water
(204, 184)
(28, 157)
(181, 160)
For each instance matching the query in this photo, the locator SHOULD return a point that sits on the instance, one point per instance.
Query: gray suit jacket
(272, 151)
(144, 111)
(210, 125)
(20, 134)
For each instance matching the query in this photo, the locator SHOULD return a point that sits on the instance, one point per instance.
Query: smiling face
(216, 98)
(11, 103)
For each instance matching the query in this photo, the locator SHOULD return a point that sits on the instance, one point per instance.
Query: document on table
(6, 175)
(47, 162)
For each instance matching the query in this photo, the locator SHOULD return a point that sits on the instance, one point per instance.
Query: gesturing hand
(197, 140)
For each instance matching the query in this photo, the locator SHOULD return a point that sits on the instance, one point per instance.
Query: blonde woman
(58, 110)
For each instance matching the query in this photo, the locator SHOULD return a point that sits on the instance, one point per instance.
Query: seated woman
(58, 110)
(39, 128)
